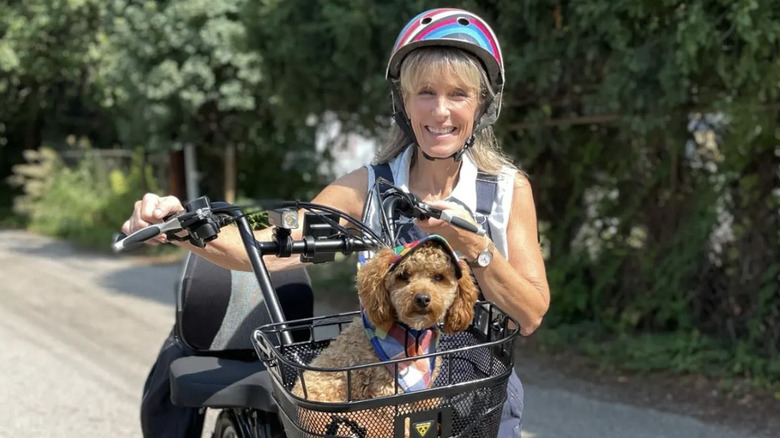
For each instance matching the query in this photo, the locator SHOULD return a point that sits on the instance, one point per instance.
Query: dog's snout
(422, 300)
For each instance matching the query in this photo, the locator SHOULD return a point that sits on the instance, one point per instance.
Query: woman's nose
(441, 106)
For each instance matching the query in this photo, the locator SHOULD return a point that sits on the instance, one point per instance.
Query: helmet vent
(426, 20)
(463, 21)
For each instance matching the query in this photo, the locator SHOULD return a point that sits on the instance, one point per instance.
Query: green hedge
(86, 203)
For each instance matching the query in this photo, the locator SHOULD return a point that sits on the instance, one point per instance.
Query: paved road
(79, 332)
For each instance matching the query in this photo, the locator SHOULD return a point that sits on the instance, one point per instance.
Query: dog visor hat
(403, 251)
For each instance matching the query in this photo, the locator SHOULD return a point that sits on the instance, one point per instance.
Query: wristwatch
(485, 256)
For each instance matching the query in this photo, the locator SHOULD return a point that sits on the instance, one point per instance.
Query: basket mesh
(466, 397)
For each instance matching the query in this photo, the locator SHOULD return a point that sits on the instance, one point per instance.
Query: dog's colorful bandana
(397, 341)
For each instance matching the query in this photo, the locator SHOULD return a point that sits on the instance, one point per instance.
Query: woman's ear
(461, 312)
(371, 288)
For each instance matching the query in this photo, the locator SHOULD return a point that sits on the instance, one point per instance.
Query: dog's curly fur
(388, 296)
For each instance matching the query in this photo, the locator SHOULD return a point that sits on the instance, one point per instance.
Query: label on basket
(422, 428)
(431, 423)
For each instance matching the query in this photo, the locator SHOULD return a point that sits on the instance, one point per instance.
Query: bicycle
(476, 363)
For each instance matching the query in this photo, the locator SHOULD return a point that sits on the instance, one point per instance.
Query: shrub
(85, 203)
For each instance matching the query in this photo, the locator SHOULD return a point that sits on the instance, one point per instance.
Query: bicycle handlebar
(203, 225)
(410, 205)
(203, 222)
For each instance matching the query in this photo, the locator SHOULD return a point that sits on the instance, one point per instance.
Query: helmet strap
(457, 156)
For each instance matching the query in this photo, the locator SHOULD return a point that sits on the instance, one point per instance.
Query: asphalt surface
(79, 332)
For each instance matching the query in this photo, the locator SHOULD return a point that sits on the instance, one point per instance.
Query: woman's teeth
(441, 131)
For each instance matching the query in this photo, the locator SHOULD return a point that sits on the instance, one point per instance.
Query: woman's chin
(439, 151)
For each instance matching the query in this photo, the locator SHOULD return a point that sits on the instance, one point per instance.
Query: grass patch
(677, 352)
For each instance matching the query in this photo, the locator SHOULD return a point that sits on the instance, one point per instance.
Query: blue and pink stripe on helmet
(450, 27)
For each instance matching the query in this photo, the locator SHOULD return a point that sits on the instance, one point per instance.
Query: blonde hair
(450, 62)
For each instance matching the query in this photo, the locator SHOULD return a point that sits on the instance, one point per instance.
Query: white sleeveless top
(464, 193)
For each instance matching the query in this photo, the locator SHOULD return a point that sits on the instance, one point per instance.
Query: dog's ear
(371, 288)
(461, 312)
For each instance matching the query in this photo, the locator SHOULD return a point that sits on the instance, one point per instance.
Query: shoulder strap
(382, 170)
(487, 185)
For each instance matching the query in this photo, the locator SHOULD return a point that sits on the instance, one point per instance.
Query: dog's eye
(438, 277)
(403, 276)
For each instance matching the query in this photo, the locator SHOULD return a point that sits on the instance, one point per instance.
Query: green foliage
(680, 352)
(186, 72)
(49, 50)
(656, 225)
(649, 130)
(86, 203)
(184, 62)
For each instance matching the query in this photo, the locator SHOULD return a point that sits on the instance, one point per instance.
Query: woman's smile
(442, 131)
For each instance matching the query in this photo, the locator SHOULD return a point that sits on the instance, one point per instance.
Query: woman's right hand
(151, 209)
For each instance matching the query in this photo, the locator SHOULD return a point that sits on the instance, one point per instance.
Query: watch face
(484, 258)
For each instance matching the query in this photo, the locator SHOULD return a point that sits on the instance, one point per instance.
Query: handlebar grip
(136, 239)
(462, 223)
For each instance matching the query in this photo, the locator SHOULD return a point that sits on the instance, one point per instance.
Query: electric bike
(247, 365)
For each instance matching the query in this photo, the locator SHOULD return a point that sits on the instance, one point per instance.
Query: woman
(446, 74)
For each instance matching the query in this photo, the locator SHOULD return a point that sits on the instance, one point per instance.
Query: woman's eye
(426, 91)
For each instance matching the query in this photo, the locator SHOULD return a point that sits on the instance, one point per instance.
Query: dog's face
(420, 291)
(422, 287)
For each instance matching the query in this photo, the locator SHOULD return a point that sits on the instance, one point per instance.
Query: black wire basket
(465, 400)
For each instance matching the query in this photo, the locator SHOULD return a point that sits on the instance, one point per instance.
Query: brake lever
(176, 217)
(426, 211)
(202, 225)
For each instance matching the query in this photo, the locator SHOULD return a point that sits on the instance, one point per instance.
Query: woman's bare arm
(347, 194)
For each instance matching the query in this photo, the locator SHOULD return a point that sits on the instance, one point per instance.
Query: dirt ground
(736, 404)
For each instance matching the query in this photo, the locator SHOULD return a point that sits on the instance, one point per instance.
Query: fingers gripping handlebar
(197, 218)
(410, 205)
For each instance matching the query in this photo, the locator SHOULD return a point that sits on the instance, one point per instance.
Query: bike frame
(248, 422)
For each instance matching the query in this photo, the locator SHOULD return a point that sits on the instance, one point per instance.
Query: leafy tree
(177, 72)
(608, 106)
(605, 102)
(649, 129)
(48, 52)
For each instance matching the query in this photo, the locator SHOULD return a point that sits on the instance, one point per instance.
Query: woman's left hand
(465, 242)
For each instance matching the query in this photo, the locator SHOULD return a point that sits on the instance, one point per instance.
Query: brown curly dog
(421, 290)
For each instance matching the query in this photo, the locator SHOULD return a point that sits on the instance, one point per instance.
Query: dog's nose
(422, 300)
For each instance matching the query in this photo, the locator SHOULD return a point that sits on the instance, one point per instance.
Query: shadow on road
(152, 282)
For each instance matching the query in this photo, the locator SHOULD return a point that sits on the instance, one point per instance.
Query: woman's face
(441, 109)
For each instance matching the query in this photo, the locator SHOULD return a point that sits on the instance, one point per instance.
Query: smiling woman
(446, 76)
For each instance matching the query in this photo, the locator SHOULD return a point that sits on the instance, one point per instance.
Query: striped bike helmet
(449, 27)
